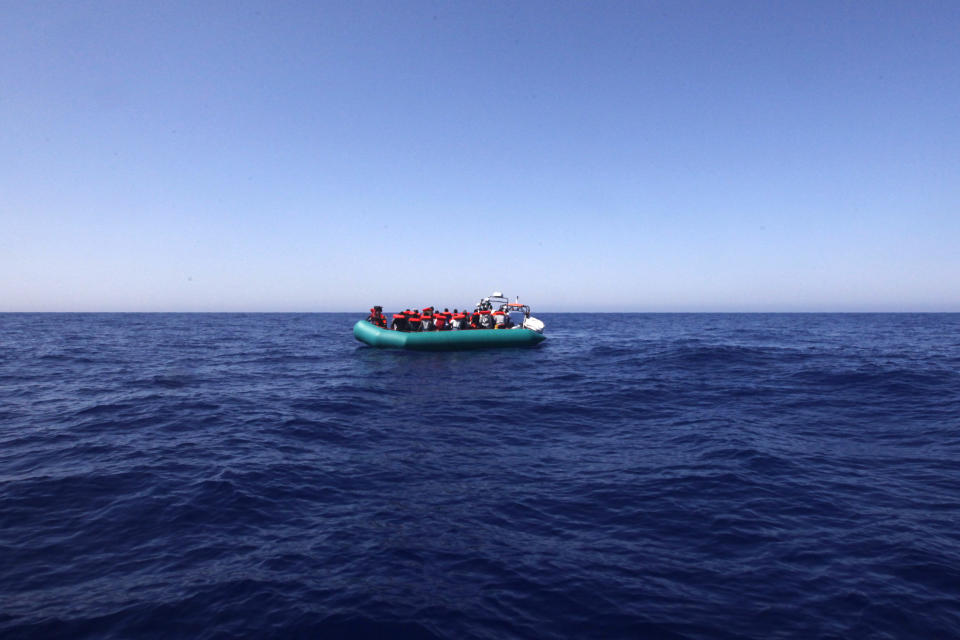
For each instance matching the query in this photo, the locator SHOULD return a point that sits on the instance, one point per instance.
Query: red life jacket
(377, 318)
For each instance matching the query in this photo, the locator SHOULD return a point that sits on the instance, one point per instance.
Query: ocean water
(635, 476)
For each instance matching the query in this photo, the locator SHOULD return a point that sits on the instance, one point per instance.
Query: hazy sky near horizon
(321, 156)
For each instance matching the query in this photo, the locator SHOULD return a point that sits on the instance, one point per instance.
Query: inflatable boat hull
(445, 340)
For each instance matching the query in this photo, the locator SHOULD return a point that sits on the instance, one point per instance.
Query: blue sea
(635, 476)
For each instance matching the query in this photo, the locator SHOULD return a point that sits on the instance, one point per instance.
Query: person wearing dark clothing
(486, 320)
(377, 318)
(413, 322)
(426, 320)
(456, 321)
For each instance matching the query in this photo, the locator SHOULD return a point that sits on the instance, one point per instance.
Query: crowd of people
(429, 319)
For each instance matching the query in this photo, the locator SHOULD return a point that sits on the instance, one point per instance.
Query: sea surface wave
(636, 475)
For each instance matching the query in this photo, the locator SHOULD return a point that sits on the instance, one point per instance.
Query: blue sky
(638, 156)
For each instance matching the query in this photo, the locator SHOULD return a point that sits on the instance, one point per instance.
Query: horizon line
(907, 311)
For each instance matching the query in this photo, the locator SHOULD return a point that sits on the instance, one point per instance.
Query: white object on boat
(533, 324)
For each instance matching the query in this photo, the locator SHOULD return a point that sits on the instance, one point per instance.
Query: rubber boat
(528, 333)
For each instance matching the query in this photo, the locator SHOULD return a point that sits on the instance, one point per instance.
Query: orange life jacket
(377, 318)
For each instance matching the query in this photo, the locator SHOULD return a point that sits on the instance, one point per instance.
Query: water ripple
(664, 476)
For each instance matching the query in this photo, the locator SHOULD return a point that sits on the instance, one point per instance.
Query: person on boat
(377, 318)
(426, 320)
(475, 320)
(399, 321)
(486, 320)
(413, 321)
(440, 321)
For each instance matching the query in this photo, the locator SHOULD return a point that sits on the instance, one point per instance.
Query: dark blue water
(662, 476)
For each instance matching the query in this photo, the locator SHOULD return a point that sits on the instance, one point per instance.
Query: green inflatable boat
(435, 331)
(445, 340)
